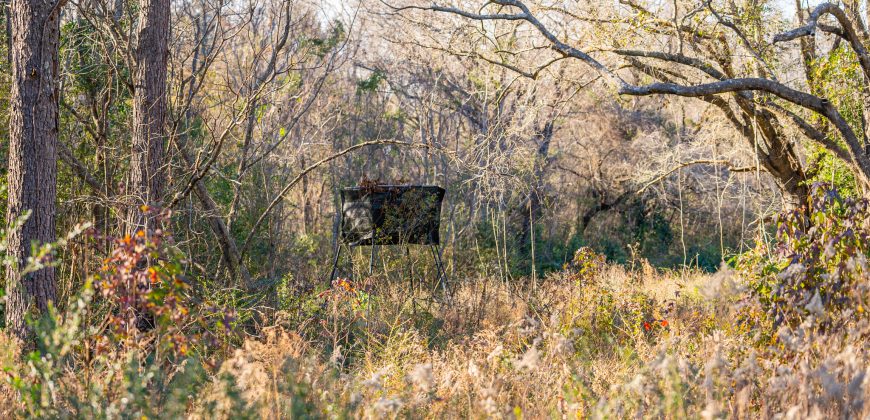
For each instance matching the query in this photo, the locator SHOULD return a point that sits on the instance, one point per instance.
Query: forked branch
(858, 157)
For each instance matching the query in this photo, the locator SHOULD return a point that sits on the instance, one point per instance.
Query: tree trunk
(531, 213)
(781, 161)
(149, 111)
(228, 246)
(32, 176)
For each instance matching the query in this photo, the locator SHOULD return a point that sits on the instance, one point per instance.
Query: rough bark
(149, 111)
(32, 176)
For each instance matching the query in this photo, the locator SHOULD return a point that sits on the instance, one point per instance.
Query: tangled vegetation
(434, 209)
(783, 332)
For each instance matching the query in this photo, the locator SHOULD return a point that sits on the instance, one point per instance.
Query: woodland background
(653, 208)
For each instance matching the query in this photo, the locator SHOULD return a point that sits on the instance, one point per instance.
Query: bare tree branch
(849, 32)
(728, 165)
(80, 169)
(301, 175)
(813, 133)
(675, 58)
(822, 106)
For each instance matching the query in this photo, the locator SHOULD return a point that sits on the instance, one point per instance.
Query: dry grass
(566, 349)
(625, 343)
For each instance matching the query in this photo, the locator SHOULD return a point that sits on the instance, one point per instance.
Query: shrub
(818, 266)
(586, 265)
(125, 346)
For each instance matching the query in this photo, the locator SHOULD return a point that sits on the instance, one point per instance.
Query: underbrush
(783, 332)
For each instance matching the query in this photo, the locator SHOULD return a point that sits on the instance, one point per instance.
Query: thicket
(783, 330)
(584, 235)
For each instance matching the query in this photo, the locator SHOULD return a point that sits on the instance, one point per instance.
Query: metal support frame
(434, 249)
(439, 264)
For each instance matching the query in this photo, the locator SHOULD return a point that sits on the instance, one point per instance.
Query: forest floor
(609, 343)
(595, 340)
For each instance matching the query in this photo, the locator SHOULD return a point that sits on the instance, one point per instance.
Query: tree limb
(858, 157)
(79, 168)
(681, 165)
(812, 132)
(848, 32)
(675, 58)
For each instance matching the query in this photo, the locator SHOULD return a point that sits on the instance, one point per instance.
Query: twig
(310, 168)
(682, 165)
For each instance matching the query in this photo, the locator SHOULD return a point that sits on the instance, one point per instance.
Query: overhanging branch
(857, 155)
(848, 32)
